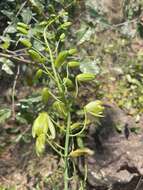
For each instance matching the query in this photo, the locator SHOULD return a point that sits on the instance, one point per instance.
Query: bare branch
(18, 59)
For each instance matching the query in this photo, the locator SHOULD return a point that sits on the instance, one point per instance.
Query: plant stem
(13, 91)
(57, 79)
(54, 148)
(66, 152)
(84, 126)
(52, 61)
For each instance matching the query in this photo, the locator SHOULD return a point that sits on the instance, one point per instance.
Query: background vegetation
(62, 64)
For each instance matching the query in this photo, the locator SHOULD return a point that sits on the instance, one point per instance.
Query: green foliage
(43, 33)
(44, 42)
(28, 107)
(4, 188)
(7, 65)
(42, 38)
(40, 30)
(5, 114)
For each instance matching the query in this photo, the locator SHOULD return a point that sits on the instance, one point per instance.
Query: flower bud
(34, 55)
(65, 25)
(85, 77)
(40, 125)
(23, 25)
(60, 108)
(40, 144)
(75, 126)
(72, 51)
(45, 95)
(73, 64)
(61, 58)
(95, 108)
(22, 30)
(62, 37)
(25, 42)
(38, 74)
(68, 83)
(81, 152)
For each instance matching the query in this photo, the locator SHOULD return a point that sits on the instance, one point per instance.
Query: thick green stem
(66, 152)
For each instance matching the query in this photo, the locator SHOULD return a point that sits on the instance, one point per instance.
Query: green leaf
(20, 119)
(9, 14)
(10, 29)
(26, 15)
(89, 66)
(5, 42)
(7, 69)
(38, 45)
(37, 6)
(135, 130)
(132, 80)
(7, 64)
(86, 36)
(4, 114)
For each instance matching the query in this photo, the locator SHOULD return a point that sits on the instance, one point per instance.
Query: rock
(118, 161)
(113, 9)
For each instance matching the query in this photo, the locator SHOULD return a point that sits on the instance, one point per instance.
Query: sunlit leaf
(89, 66)
(26, 15)
(7, 65)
